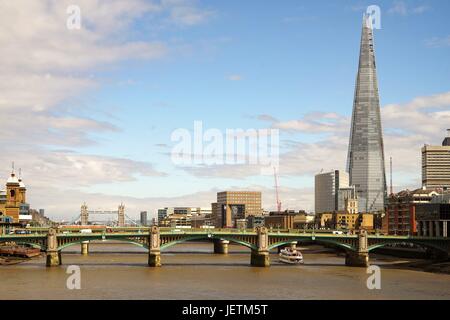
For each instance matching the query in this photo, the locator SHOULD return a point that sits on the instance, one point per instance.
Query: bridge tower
(260, 256)
(84, 215)
(121, 216)
(154, 246)
(53, 255)
(359, 258)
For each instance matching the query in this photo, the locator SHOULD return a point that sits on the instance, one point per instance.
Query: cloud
(437, 42)
(234, 77)
(401, 8)
(407, 127)
(315, 123)
(48, 74)
(68, 169)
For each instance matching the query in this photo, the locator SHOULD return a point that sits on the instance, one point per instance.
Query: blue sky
(227, 63)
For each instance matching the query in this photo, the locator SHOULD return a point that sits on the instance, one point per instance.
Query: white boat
(291, 256)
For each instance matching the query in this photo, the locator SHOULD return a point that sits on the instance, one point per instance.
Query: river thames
(192, 271)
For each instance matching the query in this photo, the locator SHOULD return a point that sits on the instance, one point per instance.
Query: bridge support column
(221, 246)
(260, 257)
(53, 255)
(154, 254)
(359, 258)
(85, 248)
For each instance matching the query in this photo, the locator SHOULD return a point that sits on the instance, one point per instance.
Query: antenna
(276, 190)
(392, 189)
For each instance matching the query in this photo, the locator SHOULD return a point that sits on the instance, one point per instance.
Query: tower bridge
(85, 214)
(357, 247)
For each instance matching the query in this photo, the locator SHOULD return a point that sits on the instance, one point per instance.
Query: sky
(89, 114)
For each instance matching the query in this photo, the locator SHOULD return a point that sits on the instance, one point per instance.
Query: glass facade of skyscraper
(366, 151)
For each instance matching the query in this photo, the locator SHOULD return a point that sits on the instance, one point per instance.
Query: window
(12, 193)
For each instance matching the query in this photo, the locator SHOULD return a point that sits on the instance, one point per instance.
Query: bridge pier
(154, 253)
(154, 259)
(359, 258)
(221, 246)
(260, 256)
(53, 256)
(85, 248)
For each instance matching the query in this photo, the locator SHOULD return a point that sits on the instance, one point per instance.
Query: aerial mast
(276, 190)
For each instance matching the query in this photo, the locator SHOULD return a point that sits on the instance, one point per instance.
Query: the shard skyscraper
(365, 162)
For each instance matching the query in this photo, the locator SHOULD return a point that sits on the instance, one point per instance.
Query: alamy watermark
(74, 280)
(373, 17)
(374, 280)
(73, 21)
(231, 147)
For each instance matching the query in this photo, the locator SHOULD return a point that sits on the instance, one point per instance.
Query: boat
(290, 256)
(19, 251)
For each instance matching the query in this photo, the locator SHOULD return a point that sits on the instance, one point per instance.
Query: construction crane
(276, 190)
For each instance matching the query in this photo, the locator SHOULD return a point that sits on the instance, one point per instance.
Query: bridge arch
(419, 243)
(210, 238)
(336, 244)
(69, 244)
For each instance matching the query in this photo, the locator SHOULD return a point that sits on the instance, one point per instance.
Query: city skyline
(98, 130)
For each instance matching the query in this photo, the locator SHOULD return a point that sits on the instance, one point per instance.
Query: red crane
(276, 190)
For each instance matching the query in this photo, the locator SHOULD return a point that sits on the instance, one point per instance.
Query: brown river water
(192, 271)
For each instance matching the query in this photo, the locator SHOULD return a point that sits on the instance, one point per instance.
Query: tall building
(365, 161)
(436, 165)
(235, 205)
(144, 220)
(326, 190)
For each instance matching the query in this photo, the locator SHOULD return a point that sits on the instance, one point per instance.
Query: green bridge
(260, 242)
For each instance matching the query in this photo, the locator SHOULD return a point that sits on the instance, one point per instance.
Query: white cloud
(407, 127)
(235, 77)
(401, 8)
(47, 72)
(437, 42)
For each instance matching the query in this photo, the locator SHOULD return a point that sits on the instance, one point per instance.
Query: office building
(195, 217)
(144, 221)
(235, 205)
(365, 161)
(326, 190)
(436, 165)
